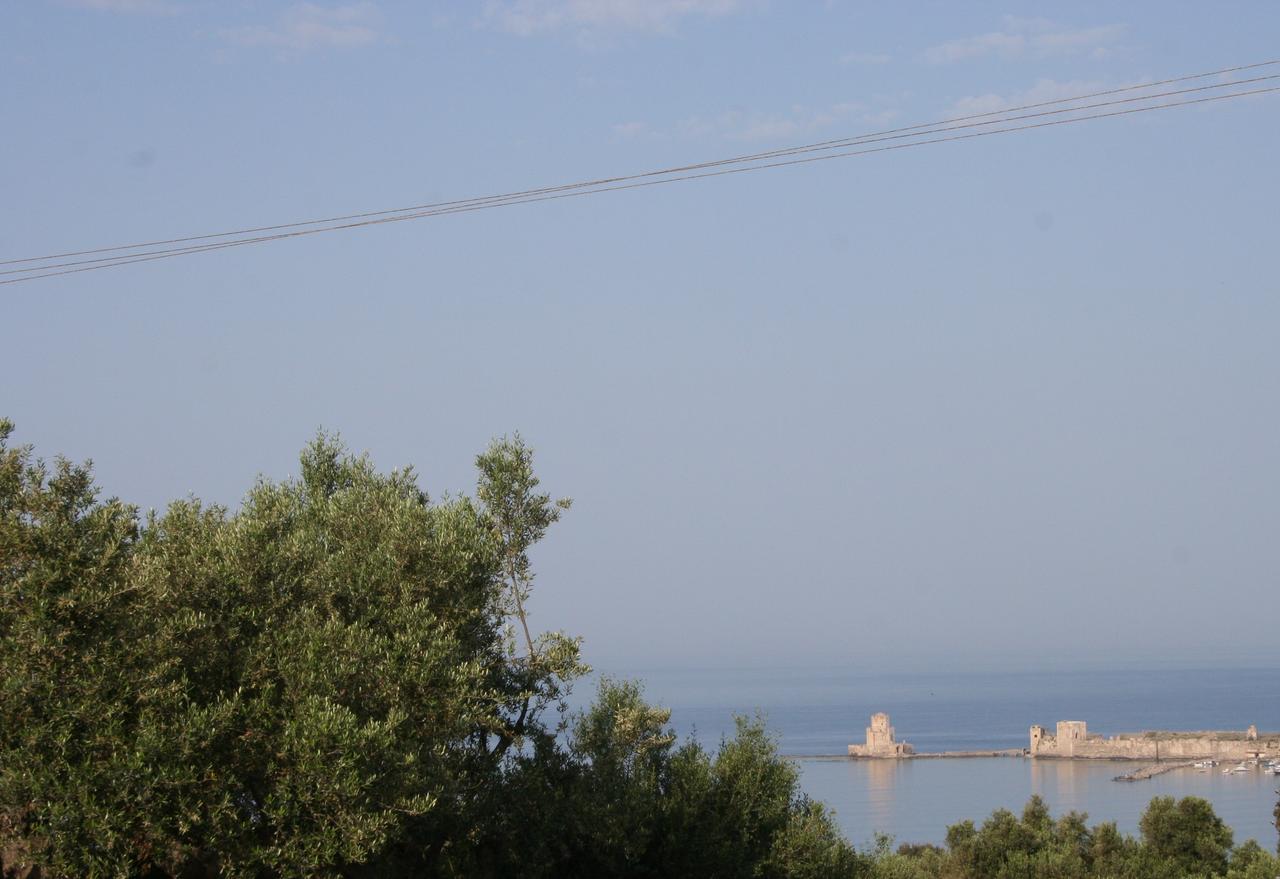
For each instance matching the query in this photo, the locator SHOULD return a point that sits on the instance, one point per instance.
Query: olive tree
(299, 686)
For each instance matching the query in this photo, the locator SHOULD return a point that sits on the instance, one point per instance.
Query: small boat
(1241, 768)
(1205, 764)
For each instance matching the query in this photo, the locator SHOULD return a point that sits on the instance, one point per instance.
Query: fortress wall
(1152, 746)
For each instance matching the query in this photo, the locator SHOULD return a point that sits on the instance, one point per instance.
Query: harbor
(1271, 767)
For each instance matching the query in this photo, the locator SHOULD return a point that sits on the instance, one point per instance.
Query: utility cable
(456, 207)
(921, 128)
(129, 259)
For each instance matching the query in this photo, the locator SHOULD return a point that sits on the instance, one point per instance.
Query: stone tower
(880, 740)
(880, 733)
(1037, 737)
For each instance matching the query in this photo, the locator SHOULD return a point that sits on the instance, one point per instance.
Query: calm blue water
(818, 711)
(914, 800)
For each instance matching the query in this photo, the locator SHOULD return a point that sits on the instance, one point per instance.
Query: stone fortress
(880, 741)
(1072, 739)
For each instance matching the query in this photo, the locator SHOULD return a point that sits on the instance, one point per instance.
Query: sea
(816, 713)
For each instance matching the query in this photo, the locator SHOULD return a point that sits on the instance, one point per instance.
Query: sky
(1008, 401)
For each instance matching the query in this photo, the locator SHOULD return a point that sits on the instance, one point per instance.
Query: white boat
(1241, 768)
(1205, 764)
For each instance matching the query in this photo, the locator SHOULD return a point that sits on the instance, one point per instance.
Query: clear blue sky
(1015, 396)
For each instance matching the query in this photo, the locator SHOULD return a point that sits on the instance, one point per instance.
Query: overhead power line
(481, 204)
(913, 135)
(585, 188)
(827, 144)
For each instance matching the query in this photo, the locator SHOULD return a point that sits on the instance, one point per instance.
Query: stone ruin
(1072, 738)
(880, 741)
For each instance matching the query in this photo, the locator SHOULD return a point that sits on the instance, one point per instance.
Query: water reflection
(1058, 782)
(916, 800)
(881, 782)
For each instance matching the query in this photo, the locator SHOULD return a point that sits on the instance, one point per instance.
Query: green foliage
(519, 517)
(67, 694)
(1251, 861)
(1180, 839)
(294, 688)
(810, 847)
(1188, 834)
(625, 800)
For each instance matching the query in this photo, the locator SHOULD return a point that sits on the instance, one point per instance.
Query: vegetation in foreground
(1179, 839)
(339, 679)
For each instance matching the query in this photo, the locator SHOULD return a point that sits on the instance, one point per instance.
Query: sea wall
(1072, 739)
